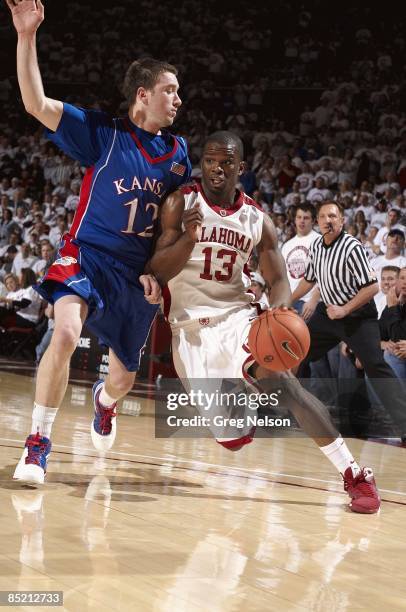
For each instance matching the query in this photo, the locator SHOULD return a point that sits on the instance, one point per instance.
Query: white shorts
(214, 348)
(209, 351)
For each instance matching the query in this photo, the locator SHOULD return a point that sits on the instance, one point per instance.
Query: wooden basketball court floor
(182, 525)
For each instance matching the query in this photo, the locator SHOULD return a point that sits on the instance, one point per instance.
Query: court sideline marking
(166, 460)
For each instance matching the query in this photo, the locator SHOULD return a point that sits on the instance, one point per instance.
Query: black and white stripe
(340, 269)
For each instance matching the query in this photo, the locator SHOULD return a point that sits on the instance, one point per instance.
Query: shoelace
(363, 486)
(35, 449)
(106, 414)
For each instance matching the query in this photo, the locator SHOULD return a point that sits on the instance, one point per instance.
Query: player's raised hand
(27, 15)
(192, 221)
(152, 290)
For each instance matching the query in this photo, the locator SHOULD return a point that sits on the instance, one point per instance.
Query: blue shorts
(119, 314)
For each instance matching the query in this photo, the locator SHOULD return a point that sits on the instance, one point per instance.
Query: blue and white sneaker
(32, 466)
(103, 429)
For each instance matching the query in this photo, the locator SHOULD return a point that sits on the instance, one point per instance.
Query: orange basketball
(279, 339)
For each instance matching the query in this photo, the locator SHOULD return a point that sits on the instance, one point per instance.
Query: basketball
(279, 339)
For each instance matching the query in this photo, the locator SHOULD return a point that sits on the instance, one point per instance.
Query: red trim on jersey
(166, 296)
(151, 160)
(189, 188)
(83, 201)
(251, 202)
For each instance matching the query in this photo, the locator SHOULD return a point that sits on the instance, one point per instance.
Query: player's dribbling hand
(192, 220)
(27, 15)
(282, 306)
(152, 290)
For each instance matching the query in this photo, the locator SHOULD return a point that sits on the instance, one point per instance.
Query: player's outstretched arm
(273, 267)
(174, 245)
(27, 17)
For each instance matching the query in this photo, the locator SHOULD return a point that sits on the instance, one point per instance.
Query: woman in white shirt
(22, 300)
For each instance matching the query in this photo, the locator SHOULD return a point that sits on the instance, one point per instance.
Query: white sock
(340, 456)
(42, 419)
(105, 399)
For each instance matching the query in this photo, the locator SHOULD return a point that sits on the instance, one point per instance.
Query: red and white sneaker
(362, 490)
(103, 428)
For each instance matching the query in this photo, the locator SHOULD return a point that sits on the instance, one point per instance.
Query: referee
(338, 263)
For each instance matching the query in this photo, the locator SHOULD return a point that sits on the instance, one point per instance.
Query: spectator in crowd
(394, 255)
(46, 338)
(393, 326)
(258, 288)
(7, 261)
(296, 252)
(389, 279)
(58, 230)
(319, 193)
(23, 259)
(392, 222)
(22, 300)
(7, 226)
(47, 252)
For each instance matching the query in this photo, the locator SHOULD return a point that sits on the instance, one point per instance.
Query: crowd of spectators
(320, 109)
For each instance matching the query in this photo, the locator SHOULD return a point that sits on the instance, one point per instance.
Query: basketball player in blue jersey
(98, 275)
(209, 229)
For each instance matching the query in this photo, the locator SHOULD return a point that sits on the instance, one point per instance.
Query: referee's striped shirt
(340, 269)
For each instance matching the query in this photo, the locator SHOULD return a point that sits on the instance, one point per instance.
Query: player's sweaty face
(221, 166)
(165, 101)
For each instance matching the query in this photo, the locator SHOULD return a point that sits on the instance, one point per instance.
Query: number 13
(227, 265)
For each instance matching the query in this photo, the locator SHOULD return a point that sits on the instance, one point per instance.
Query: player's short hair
(144, 73)
(320, 205)
(395, 269)
(306, 207)
(226, 138)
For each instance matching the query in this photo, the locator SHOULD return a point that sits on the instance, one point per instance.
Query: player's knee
(65, 339)
(122, 382)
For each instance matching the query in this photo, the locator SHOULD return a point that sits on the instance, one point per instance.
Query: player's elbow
(31, 110)
(34, 106)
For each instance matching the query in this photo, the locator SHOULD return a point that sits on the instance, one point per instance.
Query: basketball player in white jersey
(209, 229)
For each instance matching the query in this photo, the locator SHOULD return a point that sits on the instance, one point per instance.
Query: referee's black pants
(360, 331)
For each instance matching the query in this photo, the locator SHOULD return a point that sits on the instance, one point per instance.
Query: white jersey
(215, 280)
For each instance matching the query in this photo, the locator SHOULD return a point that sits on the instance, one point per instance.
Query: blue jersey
(128, 173)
